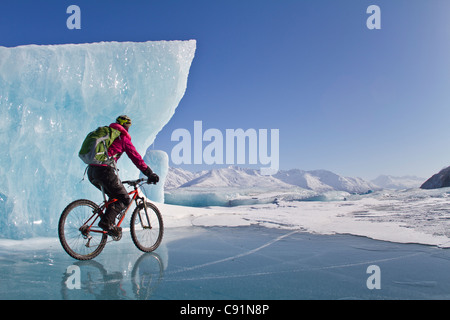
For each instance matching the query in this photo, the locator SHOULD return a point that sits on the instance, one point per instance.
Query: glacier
(235, 186)
(51, 96)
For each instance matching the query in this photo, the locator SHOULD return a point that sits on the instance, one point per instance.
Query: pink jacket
(123, 143)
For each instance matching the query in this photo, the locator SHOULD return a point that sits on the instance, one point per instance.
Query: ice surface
(407, 216)
(52, 96)
(226, 263)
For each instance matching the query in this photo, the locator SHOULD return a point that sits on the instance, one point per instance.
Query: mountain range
(316, 180)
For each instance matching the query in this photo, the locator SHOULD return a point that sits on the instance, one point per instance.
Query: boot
(110, 228)
(107, 220)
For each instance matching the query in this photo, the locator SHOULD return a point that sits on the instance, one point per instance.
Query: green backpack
(94, 149)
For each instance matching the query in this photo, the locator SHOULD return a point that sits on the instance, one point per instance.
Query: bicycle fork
(149, 226)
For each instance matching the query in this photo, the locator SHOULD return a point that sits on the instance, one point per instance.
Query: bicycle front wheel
(77, 233)
(146, 227)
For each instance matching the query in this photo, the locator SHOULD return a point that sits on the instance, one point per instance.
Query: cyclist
(102, 175)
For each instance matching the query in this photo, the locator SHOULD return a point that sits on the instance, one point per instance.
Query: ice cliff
(52, 96)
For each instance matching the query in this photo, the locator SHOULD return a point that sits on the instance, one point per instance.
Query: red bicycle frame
(100, 211)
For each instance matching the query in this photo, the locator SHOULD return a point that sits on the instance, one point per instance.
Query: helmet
(123, 119)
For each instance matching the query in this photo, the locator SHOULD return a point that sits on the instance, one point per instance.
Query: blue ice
(227, 264)
(158, 160)
(52, 96)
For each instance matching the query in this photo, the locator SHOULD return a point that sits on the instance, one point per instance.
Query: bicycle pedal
(115, 233)
(117, 237)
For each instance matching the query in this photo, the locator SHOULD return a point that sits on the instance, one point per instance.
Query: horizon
(209, 168)
(357, 101)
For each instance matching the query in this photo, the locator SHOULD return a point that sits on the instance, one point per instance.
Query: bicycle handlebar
(136, 182)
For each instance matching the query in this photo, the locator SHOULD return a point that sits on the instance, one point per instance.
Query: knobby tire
(72, 218)
(145, 238)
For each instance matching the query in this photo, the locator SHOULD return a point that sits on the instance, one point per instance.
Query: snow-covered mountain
(323, 180)
(303, 179)
(224, 177)
(391, 182)
(316, 180)
(177, 177)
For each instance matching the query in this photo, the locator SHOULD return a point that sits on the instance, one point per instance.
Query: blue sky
(355, 101)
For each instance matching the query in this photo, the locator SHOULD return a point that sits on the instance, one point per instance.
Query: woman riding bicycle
(103, 175)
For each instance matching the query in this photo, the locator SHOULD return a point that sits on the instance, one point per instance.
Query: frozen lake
(227, 263)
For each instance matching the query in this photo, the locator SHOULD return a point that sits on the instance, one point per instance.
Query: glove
(152, 177)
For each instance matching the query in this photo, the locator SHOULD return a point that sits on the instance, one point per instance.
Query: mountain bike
(82, 239)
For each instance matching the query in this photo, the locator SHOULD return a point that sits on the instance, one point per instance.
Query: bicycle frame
(100, 211)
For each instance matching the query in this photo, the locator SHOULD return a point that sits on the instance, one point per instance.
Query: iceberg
(52, 96)
(158, 160)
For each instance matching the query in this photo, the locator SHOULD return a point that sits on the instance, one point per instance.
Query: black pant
(106, 177)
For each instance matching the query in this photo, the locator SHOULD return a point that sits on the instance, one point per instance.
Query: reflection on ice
(228, 263)
(91, 280)
(46, 272)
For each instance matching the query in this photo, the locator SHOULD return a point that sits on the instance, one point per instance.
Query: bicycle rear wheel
(146, 227)
(77, 233)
